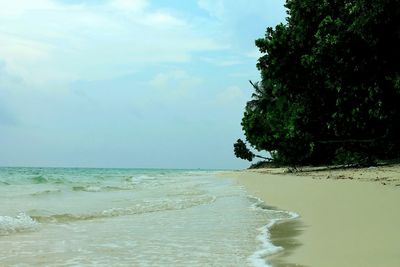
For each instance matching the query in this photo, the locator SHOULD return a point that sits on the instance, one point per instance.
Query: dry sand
(347, 217)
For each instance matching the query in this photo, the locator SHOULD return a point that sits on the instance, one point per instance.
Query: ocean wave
(20, 223)
(139, 208)
(143, 178)
(96, 188)
(187, 192)
(46, 192)
(42, 179)
(4, 183)
(267, 247)
(38, 179)
(88, 188)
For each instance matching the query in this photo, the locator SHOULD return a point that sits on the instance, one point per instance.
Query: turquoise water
(130, 217)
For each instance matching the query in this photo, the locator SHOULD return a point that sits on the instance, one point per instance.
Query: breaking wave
(20, 223)
(138, 208)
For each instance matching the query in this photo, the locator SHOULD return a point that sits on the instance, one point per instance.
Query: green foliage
(241, 151)
(330, 83)
(345, 157)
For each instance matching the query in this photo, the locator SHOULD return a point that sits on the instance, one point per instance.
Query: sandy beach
(347, 217)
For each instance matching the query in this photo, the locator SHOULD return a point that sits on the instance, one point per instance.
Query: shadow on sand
(284, 234)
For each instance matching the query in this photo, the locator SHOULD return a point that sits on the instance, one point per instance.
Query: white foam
(93, 188)
(257, 259)
(19, 223)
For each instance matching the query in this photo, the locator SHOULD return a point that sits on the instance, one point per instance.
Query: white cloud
(162, 19)
(174, 84)
(254, 54)
(242, 21)
(17, 8)
(130, 5)
(230, 97)
(47, 41)
(231, 10)
(224, 62)
(215, 8)
(44, 41)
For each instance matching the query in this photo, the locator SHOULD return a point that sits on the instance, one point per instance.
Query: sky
(127, 83)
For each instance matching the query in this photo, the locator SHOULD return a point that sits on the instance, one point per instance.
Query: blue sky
(127, 83)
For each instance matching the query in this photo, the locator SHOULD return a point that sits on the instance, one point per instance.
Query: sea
(131, 217)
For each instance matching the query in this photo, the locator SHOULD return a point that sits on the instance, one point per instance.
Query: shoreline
(348, 217)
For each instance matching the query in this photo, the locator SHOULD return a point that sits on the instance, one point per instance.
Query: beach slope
(347, 217)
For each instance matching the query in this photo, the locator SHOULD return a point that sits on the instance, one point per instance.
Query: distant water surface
(129, 217)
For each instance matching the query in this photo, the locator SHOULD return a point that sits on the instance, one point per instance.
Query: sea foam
(267, 248)
(17, 224)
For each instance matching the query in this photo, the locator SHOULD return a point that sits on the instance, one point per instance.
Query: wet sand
(348, 217)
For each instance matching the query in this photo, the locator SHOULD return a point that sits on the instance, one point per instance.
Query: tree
(241, 151)
(330, 83)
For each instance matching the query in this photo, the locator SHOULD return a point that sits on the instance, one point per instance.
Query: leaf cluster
(241, 151)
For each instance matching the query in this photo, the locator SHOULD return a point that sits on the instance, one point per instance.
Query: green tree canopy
(330, 83)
